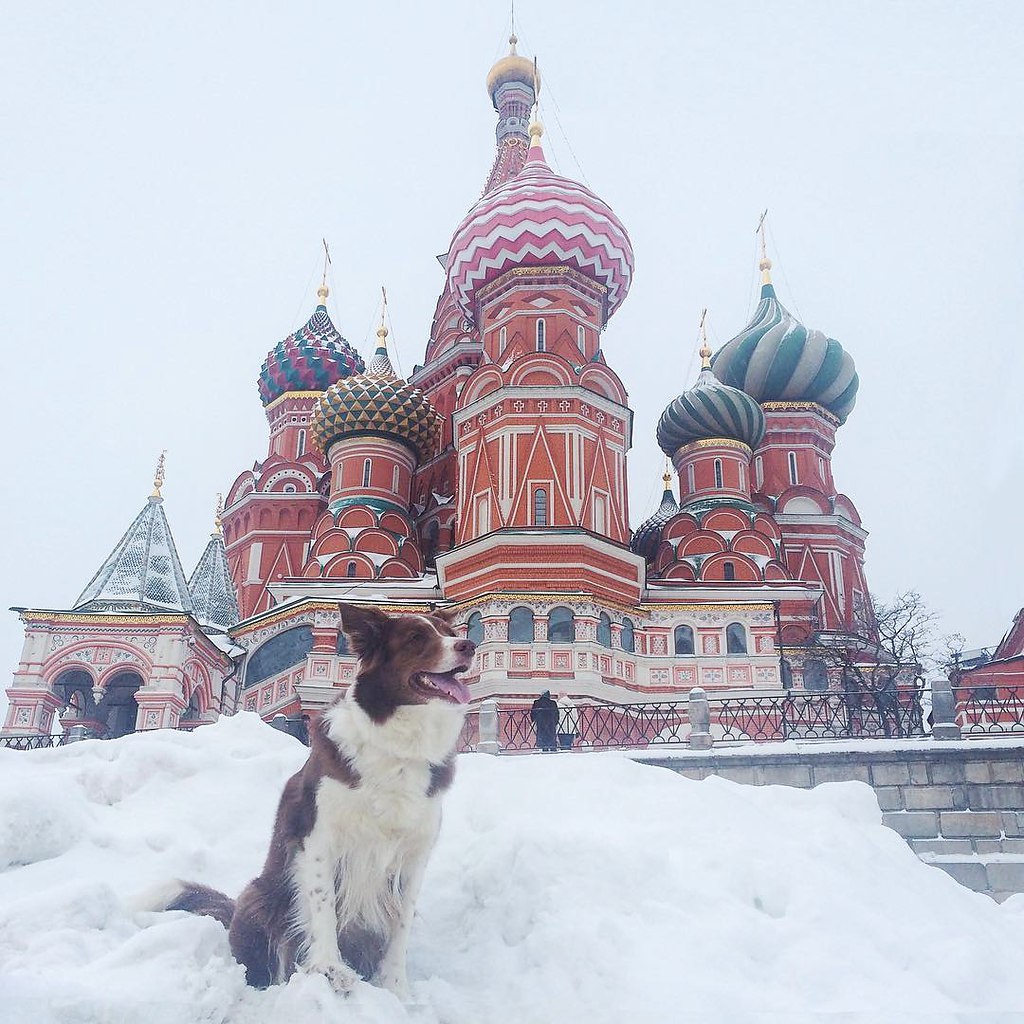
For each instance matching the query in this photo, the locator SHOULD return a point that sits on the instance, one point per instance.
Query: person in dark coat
(544, 715)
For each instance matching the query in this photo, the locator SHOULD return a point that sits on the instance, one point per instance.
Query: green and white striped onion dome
(776, 359)
(708, 410)
(378, 403)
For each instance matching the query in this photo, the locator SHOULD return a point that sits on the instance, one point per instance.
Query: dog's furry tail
(193, 898)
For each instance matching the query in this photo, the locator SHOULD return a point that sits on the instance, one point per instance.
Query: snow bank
(564, 887)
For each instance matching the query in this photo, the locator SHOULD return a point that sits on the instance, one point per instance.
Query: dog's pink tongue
(449, 685)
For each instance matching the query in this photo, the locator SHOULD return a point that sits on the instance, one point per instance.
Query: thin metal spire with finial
(323, 291)
(158, 476)
(765, 266)
(705, 350)
(217, 514)
(380, 365)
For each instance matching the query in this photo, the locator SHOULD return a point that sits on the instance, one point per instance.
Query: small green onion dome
(776, 359)
(648, 536)
(709, 410)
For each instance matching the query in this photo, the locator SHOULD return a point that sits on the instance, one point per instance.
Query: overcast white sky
(168, 171)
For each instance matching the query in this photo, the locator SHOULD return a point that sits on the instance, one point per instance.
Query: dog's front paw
(395, 981)
(339, 975)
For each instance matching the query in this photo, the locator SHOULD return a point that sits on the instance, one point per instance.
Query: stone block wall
(959, 805)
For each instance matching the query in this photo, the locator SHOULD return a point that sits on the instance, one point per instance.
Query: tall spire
(143, 572)
(211, 588)
(513, 85)
(765, 266)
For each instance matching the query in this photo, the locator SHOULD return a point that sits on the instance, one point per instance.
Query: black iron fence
(32, 742)
(817, 716)
(989, 710)
(735, 718)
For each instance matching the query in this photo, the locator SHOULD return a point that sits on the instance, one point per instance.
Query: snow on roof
(564, 887)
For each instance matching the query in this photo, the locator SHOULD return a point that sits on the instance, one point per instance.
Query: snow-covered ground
(582, 887)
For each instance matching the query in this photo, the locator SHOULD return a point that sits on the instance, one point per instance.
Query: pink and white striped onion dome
(539, 219)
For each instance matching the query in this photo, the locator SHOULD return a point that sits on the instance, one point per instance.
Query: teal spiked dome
(776, 359)
(708, 410)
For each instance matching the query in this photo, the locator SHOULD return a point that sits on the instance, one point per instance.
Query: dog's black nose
(465, 647)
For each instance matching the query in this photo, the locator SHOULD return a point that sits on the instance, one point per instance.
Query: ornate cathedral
(494, 482)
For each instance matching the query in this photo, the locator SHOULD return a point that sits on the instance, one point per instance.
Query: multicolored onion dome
(512, 68)
(776, 359)
(376, 402)
(648, 536)
(311, 359)
(708, 410)
(539, 219)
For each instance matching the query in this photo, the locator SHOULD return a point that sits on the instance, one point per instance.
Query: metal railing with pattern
(989, 710)
(32, 742)
(601, 726)
(817, 716)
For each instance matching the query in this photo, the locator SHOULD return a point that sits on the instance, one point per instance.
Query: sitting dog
(356, 824)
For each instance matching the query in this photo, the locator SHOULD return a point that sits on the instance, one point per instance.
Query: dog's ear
(363, 625)
(448, 615)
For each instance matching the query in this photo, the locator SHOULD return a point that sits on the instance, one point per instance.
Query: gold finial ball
(322, 292)
(382, 332)
(536, 130)
(666, 478)
(512, 40)
(765, 264)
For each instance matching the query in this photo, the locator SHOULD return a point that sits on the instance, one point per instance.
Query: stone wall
(960, 804)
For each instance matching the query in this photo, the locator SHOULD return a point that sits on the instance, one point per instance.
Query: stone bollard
(944, 725)
(76, 733)
(700, 720)
(488, 728)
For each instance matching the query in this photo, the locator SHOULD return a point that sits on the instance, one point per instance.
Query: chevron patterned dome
(311, 359)
(709, 410)
(376, 402)
(539, 219)
(776, 359)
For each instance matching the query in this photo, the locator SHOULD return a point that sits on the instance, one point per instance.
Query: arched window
(302, 443)
(541, 332)
(278, 653)
(502, 337)
(718, 472)
(394, 480)
(343, 647)
(561, 626)
(740, 468)
(483, 515)
(475, 628)
(735, 638)
(815, 675)
(350, 570)
(627, 639)
(604, 630)
(520, 626)
(581, 337)
(366, 472)
(759, 472)
(540, 507)
(690, 485)
(684, 640)
(600, 514)
(729, 570)
(794, 479)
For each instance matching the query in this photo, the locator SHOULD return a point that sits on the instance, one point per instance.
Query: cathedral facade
(493, 481)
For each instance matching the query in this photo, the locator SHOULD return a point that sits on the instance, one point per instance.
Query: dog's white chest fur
(373, 839)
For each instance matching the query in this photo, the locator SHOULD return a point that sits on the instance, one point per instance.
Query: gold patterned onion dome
(377, 403)
(512, 68)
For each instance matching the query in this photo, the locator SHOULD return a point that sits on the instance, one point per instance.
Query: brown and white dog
(356, 824)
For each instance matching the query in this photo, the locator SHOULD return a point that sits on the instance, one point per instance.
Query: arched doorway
(118, 709)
